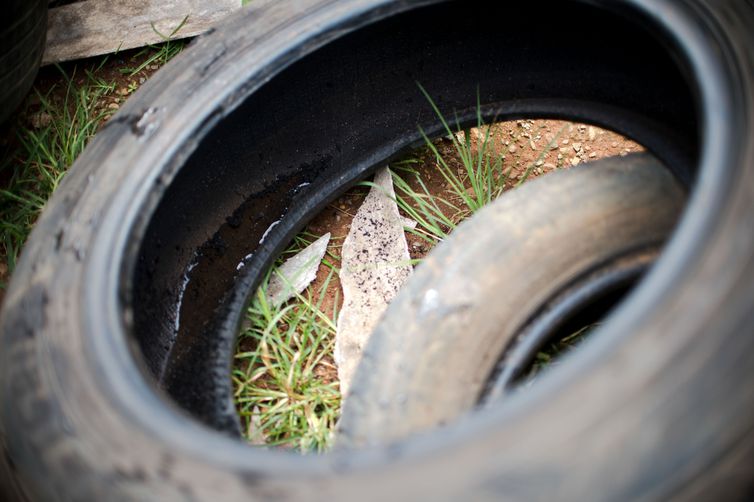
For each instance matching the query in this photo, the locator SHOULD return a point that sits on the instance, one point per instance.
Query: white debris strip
(408, 223)
(293, 276)
(375, 264)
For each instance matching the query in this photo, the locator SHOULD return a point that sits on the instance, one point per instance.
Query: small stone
(123, 91)
(539, 163)
(549, 166)
(142, 80)
(512, 148)
(40, 120)
(592, 155)
(564, 142)
(614, 144)
(113, 106)
(575, 161)
(587, 147)
(539, 170)
(560, 156)
(153, 67)
(577, 147)
(592, 133)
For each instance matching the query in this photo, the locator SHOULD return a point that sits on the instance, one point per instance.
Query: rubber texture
(119, 324)
(437, 345)
(23, 31)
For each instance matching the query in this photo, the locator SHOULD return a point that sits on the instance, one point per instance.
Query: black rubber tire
(440, 339)
(23, 29)
(102, 397)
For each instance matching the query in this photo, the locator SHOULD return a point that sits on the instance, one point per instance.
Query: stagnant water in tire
(285, 380)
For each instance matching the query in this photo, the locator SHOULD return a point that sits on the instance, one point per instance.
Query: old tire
(440, 339)
(105, 395)
(22, 40)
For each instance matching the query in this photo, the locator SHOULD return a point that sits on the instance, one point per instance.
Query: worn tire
(22, 40)
(105, 395)
(469, 302)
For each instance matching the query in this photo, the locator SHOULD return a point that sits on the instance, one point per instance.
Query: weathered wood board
(94, 27)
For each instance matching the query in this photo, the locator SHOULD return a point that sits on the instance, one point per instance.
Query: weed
(45, 154)
(158, 54)
(481, 179)
(280, 391)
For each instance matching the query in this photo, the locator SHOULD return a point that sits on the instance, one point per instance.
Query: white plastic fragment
(293, 276)
(408, 222)
(375, 264)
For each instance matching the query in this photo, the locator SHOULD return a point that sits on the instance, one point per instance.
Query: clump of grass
(45, 154)
(46, 150)
(481, 179)
(280, 390)
(158, 54)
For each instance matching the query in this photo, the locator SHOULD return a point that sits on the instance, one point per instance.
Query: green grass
(46, 153)
(481, 179)
(281, 396)
(69, 113)
(158, 54)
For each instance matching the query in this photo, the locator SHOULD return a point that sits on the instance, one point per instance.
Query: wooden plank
(94, 27)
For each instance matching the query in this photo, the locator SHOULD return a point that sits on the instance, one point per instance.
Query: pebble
(575, 161)
(41, 119)
(142, 80)
(512, 148)
(539, 163)
(592, 155)
(576, 147)
(614, 144)
(113, 106)
(564, 142)
(592, 133)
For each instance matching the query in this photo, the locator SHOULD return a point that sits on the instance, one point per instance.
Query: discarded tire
(473, 297)
(22, 39)
(118, 326)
